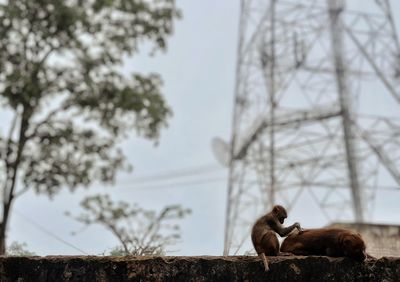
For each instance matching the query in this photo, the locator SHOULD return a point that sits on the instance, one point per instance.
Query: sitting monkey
(334, 242)
(263, 235)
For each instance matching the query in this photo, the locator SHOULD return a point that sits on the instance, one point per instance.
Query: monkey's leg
(265, 261)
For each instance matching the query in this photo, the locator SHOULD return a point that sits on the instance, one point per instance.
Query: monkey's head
(353, 246)
(280, 213)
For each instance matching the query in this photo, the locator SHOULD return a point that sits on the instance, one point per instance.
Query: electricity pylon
(316, 110)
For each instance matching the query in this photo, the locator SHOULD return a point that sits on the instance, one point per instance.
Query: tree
(70, 105)
(139, 231)
(18, 249)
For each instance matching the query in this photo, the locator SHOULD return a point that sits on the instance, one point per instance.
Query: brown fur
(335, 242)
(263, 235)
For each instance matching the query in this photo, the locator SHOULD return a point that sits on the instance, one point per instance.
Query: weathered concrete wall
(196, 269)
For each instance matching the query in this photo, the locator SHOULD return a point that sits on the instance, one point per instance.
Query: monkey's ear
(275, 210)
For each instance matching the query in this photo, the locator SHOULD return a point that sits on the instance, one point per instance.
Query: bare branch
(21, 192)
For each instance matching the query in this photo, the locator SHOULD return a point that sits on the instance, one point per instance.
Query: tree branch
(13, 124)
(47, 118)
(8, 151)
(118, 235)
(21, 192)
(11, 179)
(46, 55)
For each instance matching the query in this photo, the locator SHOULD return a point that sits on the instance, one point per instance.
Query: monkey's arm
(284, 231)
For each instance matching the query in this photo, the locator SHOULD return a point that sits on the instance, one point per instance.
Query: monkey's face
(359, 255)
(356, 253)
(354, 247)
(280, 213)
(282, 219)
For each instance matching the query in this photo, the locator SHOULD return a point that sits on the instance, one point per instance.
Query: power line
(173, 174)
(292, 185)
(49, 233)
(179, 184)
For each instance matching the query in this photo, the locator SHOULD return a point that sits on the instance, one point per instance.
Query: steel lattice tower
(307, 116)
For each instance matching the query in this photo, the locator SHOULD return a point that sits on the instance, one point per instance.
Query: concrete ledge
(236, 268)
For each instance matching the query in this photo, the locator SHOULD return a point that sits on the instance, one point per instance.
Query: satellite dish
(221, 150)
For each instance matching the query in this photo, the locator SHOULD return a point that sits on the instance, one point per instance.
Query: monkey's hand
(297, 225)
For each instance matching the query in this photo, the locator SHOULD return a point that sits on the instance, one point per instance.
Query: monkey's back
(323, 241)
(263, 238)
(309, 241)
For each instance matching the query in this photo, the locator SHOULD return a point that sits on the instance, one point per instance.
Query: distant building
(383, 240)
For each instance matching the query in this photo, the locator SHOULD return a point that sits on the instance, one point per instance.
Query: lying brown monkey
(334, 242)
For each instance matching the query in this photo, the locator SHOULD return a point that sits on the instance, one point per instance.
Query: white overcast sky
(198, 72)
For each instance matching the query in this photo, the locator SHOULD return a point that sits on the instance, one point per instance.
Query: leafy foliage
(60, 78)
(18, 249)
(140, 231)
(62, 54)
